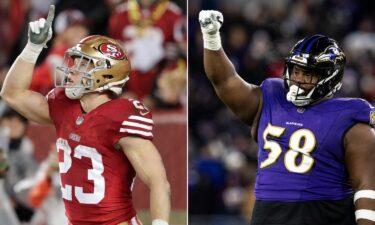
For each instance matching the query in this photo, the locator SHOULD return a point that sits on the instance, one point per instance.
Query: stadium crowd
(257, 36)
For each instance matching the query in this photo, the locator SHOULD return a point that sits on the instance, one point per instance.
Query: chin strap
(114, 87)
(77, 92)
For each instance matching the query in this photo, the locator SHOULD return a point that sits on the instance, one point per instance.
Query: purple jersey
(301, 155)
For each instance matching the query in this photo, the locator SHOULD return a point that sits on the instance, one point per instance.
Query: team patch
(111, 51)
(372, 118)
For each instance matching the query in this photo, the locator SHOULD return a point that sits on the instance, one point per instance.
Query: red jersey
(97, 177)
(144, 33)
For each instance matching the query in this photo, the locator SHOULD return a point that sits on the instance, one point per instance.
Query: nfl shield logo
(300, 109)
(79, 120)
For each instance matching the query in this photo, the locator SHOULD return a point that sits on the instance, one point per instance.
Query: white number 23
(94, 174)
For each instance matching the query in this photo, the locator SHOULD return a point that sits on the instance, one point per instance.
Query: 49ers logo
(111, 51)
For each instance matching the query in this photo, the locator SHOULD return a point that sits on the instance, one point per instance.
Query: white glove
(211, 21)
(40, 32)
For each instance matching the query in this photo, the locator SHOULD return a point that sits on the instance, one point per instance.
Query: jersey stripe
(304, 43)
(311, 44)
(139, 118)
(131, 131)
(132, 124)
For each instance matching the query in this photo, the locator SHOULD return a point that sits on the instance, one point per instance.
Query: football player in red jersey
(94, 129)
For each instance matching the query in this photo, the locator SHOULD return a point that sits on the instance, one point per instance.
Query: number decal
(94, 174)
(302, 142)
(273, 146)
(62, 144)
(64, 166)
(295, 149)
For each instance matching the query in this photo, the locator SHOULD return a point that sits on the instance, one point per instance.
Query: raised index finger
(51, 15)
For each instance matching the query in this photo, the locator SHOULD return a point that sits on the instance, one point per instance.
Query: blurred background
(256, 36)
(153, 33)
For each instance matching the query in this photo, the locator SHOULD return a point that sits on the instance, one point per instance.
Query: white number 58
(302, 142)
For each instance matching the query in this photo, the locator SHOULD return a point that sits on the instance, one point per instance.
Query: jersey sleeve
(272, 92)
(51, 99)
(265, 87)
(55, 100)
(136, 122)
(365, 114)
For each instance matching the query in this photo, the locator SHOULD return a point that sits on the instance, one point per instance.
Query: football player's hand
(40, 31)
(210, 21)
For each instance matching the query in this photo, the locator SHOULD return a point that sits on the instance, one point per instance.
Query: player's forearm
(364, 200)
(160, 200)
(216, 63)
(218, 67)
(17, 80)
(360, 157)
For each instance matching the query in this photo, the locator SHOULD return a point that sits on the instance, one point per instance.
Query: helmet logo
(331, 54)
(112, 51)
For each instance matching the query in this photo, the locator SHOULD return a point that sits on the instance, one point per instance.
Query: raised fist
(210, 21)
(40, 31)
